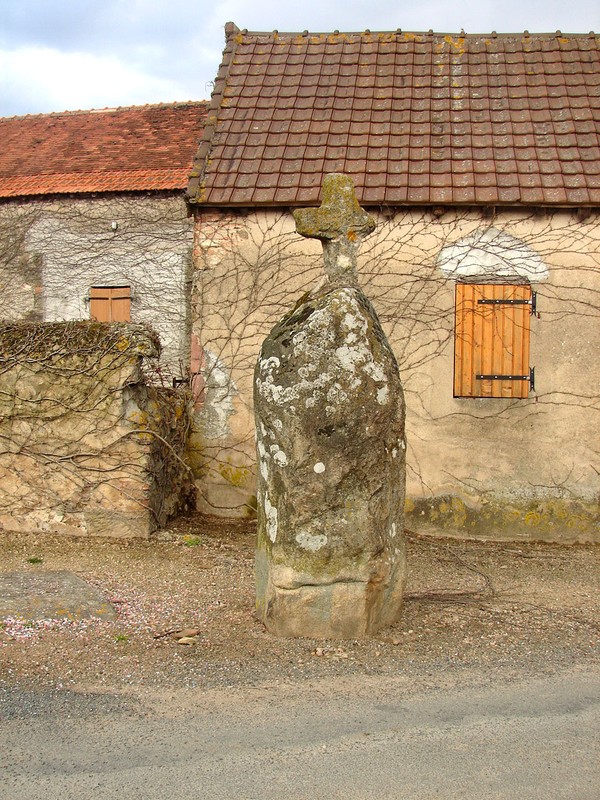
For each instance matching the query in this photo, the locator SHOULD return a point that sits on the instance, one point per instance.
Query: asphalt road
(538, 738)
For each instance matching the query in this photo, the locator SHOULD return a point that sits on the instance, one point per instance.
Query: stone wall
(53, 251)
(492, 468)
(86, 446)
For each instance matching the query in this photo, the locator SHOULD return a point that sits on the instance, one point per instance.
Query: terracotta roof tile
(557, 195)
(225, 196)
(413, 118)
(444, 179)
(144, 148)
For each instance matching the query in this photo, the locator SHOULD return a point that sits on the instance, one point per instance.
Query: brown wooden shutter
(110, 303)
(491, 344)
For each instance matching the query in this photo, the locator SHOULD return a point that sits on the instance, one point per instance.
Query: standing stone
(331, 450)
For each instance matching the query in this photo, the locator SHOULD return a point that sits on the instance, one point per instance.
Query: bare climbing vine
(246, 269)
(52, 251)
(86, 445)
(252, 267)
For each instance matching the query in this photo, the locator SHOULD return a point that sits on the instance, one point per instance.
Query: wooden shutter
(110, 303)
(491, 344)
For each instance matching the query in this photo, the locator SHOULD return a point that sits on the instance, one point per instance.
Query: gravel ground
(518, 608)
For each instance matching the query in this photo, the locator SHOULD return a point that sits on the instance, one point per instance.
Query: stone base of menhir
(330, 439)
(347, 608)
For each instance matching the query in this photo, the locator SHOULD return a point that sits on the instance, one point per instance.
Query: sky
(58, 55)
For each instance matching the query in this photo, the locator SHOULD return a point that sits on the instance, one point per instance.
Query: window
(110, 303)
(491, 340)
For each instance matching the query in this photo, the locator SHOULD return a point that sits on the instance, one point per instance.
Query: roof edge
(194, 188)
(200, 207)
(89, 193)
(97, 182)
(108, 110)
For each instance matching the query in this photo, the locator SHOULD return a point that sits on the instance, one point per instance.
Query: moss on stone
(339, 213)
(234, 475)
(22, 340)
(551, 519)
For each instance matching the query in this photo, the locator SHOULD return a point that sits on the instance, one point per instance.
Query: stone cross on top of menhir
(340, 223)
(330, 448)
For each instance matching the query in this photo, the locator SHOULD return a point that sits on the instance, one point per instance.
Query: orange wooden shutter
(491, 344)
(110, 303)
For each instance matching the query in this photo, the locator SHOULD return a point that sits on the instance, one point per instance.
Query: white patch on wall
(271, 515)
(383, 395)
(311, 542)
(268, 364)
(279, 457)
(353, 357)
(336, 394)
(220, 390)
(491, 253)
(264, 470)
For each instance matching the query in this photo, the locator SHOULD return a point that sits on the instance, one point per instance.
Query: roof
(113, 150)
(413, 118)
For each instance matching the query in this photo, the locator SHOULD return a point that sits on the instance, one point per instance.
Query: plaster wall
(20, 268)
(66, 246)
(495, 468)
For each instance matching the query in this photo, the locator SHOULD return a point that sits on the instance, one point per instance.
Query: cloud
(440, 15)
(42, 79)
(139, 51)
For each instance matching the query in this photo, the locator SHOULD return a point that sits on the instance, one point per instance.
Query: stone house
(479, 155)
(93, 220)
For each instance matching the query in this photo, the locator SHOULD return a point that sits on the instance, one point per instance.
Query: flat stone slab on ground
(51, 595)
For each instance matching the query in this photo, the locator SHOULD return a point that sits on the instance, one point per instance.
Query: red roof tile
(413, 118)
(143, 148)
